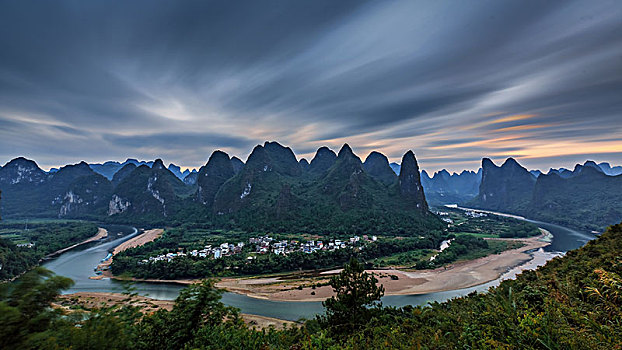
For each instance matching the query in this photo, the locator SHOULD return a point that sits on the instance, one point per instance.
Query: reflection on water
(79, 264)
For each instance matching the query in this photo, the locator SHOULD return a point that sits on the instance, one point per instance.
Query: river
(78, 264)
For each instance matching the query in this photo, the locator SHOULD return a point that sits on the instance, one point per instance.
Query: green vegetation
(573, 302)
(46, 237)
(466, 247)
(356, 300)
(409, 258)
(487, 225)
(589, 200)
(130, 261)
(402, 251)
(585, 198)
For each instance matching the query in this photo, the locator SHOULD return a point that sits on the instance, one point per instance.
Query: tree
(196, 307)
(357, 297)
(24, 306)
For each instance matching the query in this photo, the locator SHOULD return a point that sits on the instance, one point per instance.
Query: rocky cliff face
(86, 196)
(118, 205)
(409, 183)
(148, 191)
(21, 171)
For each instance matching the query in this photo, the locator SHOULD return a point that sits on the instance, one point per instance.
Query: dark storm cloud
(145, 78)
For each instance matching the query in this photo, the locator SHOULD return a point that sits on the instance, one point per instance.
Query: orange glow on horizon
(566, 148)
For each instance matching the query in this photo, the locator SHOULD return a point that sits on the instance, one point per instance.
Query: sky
(454, 81)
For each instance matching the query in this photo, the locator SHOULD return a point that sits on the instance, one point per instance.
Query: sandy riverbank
(101, 233)
(91, 300)
(459, 275)
(143, 238)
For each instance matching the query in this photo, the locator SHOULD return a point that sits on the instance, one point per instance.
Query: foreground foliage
(573, 302)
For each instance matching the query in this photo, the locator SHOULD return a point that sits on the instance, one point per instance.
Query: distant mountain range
(445, 188)
(587, 197)
(275, 191)
(272, 191)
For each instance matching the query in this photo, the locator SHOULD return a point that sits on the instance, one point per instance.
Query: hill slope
(585, 198)
(589, 200)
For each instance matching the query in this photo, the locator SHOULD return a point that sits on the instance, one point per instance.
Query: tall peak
(377, 165)
(324, 158)
(487, 162)
(376, 156)
(324, 149)
(510, 162)
(218, 154)
(409, 182)
(158, 164)
(345, 151)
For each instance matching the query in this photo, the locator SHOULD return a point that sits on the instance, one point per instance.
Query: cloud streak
(453, 81)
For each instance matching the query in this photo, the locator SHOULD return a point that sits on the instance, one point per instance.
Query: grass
(494, 247)
(404, 258)
(38, 221)
(13, 236)
(474, 234)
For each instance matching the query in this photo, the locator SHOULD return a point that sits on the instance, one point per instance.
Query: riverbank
(101, 234)
(90, 300)
(458, 275)
(462, 274)
(143, 238)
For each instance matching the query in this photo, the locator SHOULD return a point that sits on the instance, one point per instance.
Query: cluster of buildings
(445, 216)
(469, 213)
(208, 251)
(266, 245)
(474, 214)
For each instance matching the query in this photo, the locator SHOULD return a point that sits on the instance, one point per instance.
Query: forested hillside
(271, 192)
